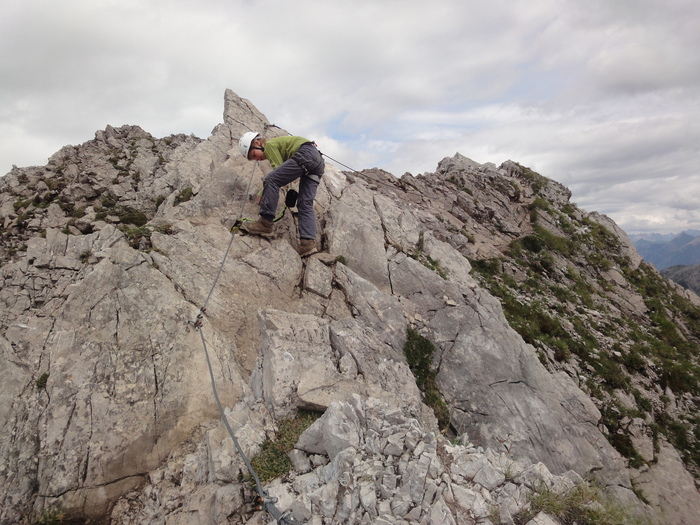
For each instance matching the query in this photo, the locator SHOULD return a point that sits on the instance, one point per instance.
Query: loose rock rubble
(364, 461)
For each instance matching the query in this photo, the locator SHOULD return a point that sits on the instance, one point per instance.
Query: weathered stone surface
(542, 519)
(383, 369)
(361, 482)
(355, 232)
(492, 367)
(401, 229)
(291, 345)
(118, 263)
(319, 387)
(629, 250)
(101, 397)
(455, 265)
(421, 286)
(666, 484)
(309, 363)
(318, 278)
(379, 310)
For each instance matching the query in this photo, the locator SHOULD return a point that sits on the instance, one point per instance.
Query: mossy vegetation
(42, 380)
(419, 255)
(419, 352)
(457, 182)
(541, 240)
(184, 195)
(136, 236)
(537, 181)
(585, 504)
(50, 517)
(272, 461)
(612, 414)
(99, 166)
(140, 237)
(125, 214)
(55, 516)
(129, 215)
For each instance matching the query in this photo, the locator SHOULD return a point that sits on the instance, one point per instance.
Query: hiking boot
(307, 247)
(261, 227)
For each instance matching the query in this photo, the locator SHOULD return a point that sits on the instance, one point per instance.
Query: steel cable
(266, 502)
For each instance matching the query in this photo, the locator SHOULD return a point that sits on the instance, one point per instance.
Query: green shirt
(280, 149)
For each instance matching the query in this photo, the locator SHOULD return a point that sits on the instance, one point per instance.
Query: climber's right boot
(307, 247)
(261, 227)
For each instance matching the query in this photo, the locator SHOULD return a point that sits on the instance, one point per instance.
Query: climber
(291, 158)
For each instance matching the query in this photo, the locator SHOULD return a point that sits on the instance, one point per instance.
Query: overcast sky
(600, 95)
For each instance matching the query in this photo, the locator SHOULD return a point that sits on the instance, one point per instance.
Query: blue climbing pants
(308, 164)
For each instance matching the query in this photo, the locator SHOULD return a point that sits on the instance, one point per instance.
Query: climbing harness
(305, 168)
(263, 501)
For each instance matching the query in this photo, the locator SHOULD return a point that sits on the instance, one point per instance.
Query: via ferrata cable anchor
(198, 322)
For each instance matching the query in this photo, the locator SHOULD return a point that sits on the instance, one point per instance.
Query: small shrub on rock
(184, 195)
(272, 461)
(419, 354)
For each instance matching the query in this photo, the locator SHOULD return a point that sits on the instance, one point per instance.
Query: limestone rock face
(531, 412)
(121, 280)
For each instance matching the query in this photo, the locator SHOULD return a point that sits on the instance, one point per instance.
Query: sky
(602, 96)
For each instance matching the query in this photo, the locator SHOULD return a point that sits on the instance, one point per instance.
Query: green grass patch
(537, 181)
(56, 517)
(567, 314)
(129, 215)
(426, 260)
(136, 235)
(433, 264)
(582, 505)
(184, 195)
(272, 461)
(487, 268)
(41, 381)
(537, 249)
(600, 237)
(419, 353)
(619, 438)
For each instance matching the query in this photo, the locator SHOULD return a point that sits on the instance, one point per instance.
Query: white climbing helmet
(245, 141)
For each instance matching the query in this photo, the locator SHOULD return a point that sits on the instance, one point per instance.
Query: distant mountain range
(661, 237)
(675, 255)
(666, 250)
(687, 276)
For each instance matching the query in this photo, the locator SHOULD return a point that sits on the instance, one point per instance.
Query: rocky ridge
(111, 249)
